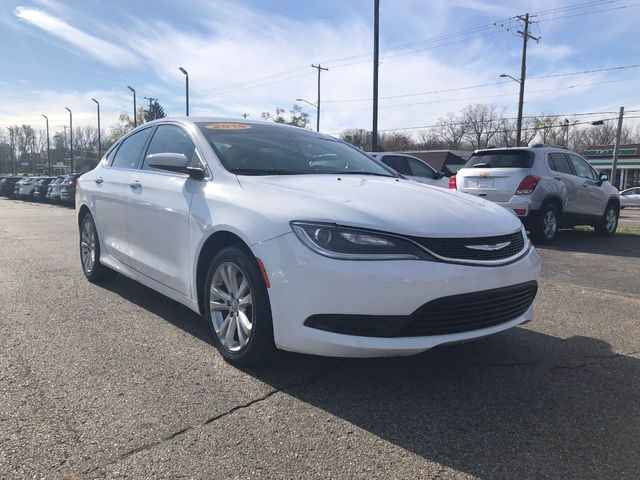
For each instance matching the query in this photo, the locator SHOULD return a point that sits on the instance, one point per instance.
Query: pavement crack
(166, 438)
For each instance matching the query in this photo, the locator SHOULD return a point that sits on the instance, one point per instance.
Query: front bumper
(304, 284)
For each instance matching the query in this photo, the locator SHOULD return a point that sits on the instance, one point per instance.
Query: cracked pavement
(116, 381)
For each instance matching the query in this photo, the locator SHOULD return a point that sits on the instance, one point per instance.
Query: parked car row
(61, 189)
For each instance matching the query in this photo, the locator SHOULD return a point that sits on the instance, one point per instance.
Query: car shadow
(521, 404)
(621, 244)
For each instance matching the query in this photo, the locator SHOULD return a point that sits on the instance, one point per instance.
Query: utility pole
(151, 100)
(376, 36)
(70, 136)
(320, 68)
(616, 149)
(245, 115)
(48, 147)
(523, 72)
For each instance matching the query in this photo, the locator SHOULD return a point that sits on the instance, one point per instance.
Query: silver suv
(547, 187)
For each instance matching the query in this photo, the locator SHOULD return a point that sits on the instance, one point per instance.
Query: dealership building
(628, 172)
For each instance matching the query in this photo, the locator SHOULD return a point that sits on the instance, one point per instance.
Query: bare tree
(430, 140)
(395, 142)
(357, 137)
(451, 130)
(483, 123)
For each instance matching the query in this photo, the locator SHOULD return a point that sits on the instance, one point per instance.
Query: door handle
(585, 184)
(99, 180)
(135, 184)
(558, 178)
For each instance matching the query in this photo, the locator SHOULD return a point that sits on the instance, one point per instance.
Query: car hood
(379, 203)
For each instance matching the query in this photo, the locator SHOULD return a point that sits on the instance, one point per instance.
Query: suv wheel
(545, 226)
(609, 224)
(237, 308)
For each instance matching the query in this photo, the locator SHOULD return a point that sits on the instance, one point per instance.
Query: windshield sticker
(228, 126)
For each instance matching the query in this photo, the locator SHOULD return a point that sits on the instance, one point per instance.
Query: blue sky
(251, 56)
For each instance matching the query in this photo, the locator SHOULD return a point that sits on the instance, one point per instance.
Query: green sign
(608, 152)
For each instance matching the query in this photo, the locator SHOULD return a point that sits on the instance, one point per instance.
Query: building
(445, 161)
(628, 172)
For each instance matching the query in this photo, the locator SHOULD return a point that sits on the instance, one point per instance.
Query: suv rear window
(501, 159)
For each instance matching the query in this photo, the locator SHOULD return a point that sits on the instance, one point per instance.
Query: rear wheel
(545, 227)
(609, 224)
(237, 308)
(90, 251)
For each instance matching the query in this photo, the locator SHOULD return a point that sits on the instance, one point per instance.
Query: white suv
(547, 187)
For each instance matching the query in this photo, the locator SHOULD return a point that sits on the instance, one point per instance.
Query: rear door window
(559, 162)
(501, 159)
(398, 163)
(130, 150)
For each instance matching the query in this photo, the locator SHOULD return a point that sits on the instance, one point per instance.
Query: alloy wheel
(231, 306)
(549, 224)
(611, 220)
(88, 246)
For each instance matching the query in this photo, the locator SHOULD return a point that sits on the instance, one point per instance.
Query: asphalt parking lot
(116, 381)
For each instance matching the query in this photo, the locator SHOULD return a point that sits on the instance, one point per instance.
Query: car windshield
(500, 159)
(263, 149)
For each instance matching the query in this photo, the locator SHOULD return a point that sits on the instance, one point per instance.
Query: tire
(609, 223)
(545, 226)
(237, 308)
(90, 252)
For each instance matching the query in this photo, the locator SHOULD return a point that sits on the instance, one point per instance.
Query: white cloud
(95, 47)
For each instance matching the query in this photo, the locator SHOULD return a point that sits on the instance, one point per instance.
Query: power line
(481, 85)
(449, 100)
(621, 7)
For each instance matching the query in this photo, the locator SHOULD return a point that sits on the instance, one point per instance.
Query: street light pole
(135, 119)
(186, 74)
(99, 142)
(376, 36)
(70, 137)
(48, 147)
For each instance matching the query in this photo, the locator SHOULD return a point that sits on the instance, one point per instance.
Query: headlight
(353, 244)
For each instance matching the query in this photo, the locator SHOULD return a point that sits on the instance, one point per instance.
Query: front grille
(471, 311)
(454, 314)
(457, 248)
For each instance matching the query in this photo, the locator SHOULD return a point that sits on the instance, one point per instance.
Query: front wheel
(545, 226)
(237, 308)
(609, 224)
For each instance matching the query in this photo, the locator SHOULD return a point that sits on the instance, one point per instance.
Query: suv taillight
(453, 185)
(527, 185)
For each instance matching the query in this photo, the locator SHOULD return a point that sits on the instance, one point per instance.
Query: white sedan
(630, 197)
(283, 238)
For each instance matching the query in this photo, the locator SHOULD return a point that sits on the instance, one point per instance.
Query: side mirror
(174, 162)
(603, 178)
(439, 175)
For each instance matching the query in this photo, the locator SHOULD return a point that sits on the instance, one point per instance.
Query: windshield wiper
(263, 171)
(482, 165)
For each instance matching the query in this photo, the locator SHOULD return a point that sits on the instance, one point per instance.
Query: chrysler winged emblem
(489, 248)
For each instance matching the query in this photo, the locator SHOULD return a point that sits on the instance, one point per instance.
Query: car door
(157, 212)
(569, 184)
(108, 192)
(425, 174)
(593, 198)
